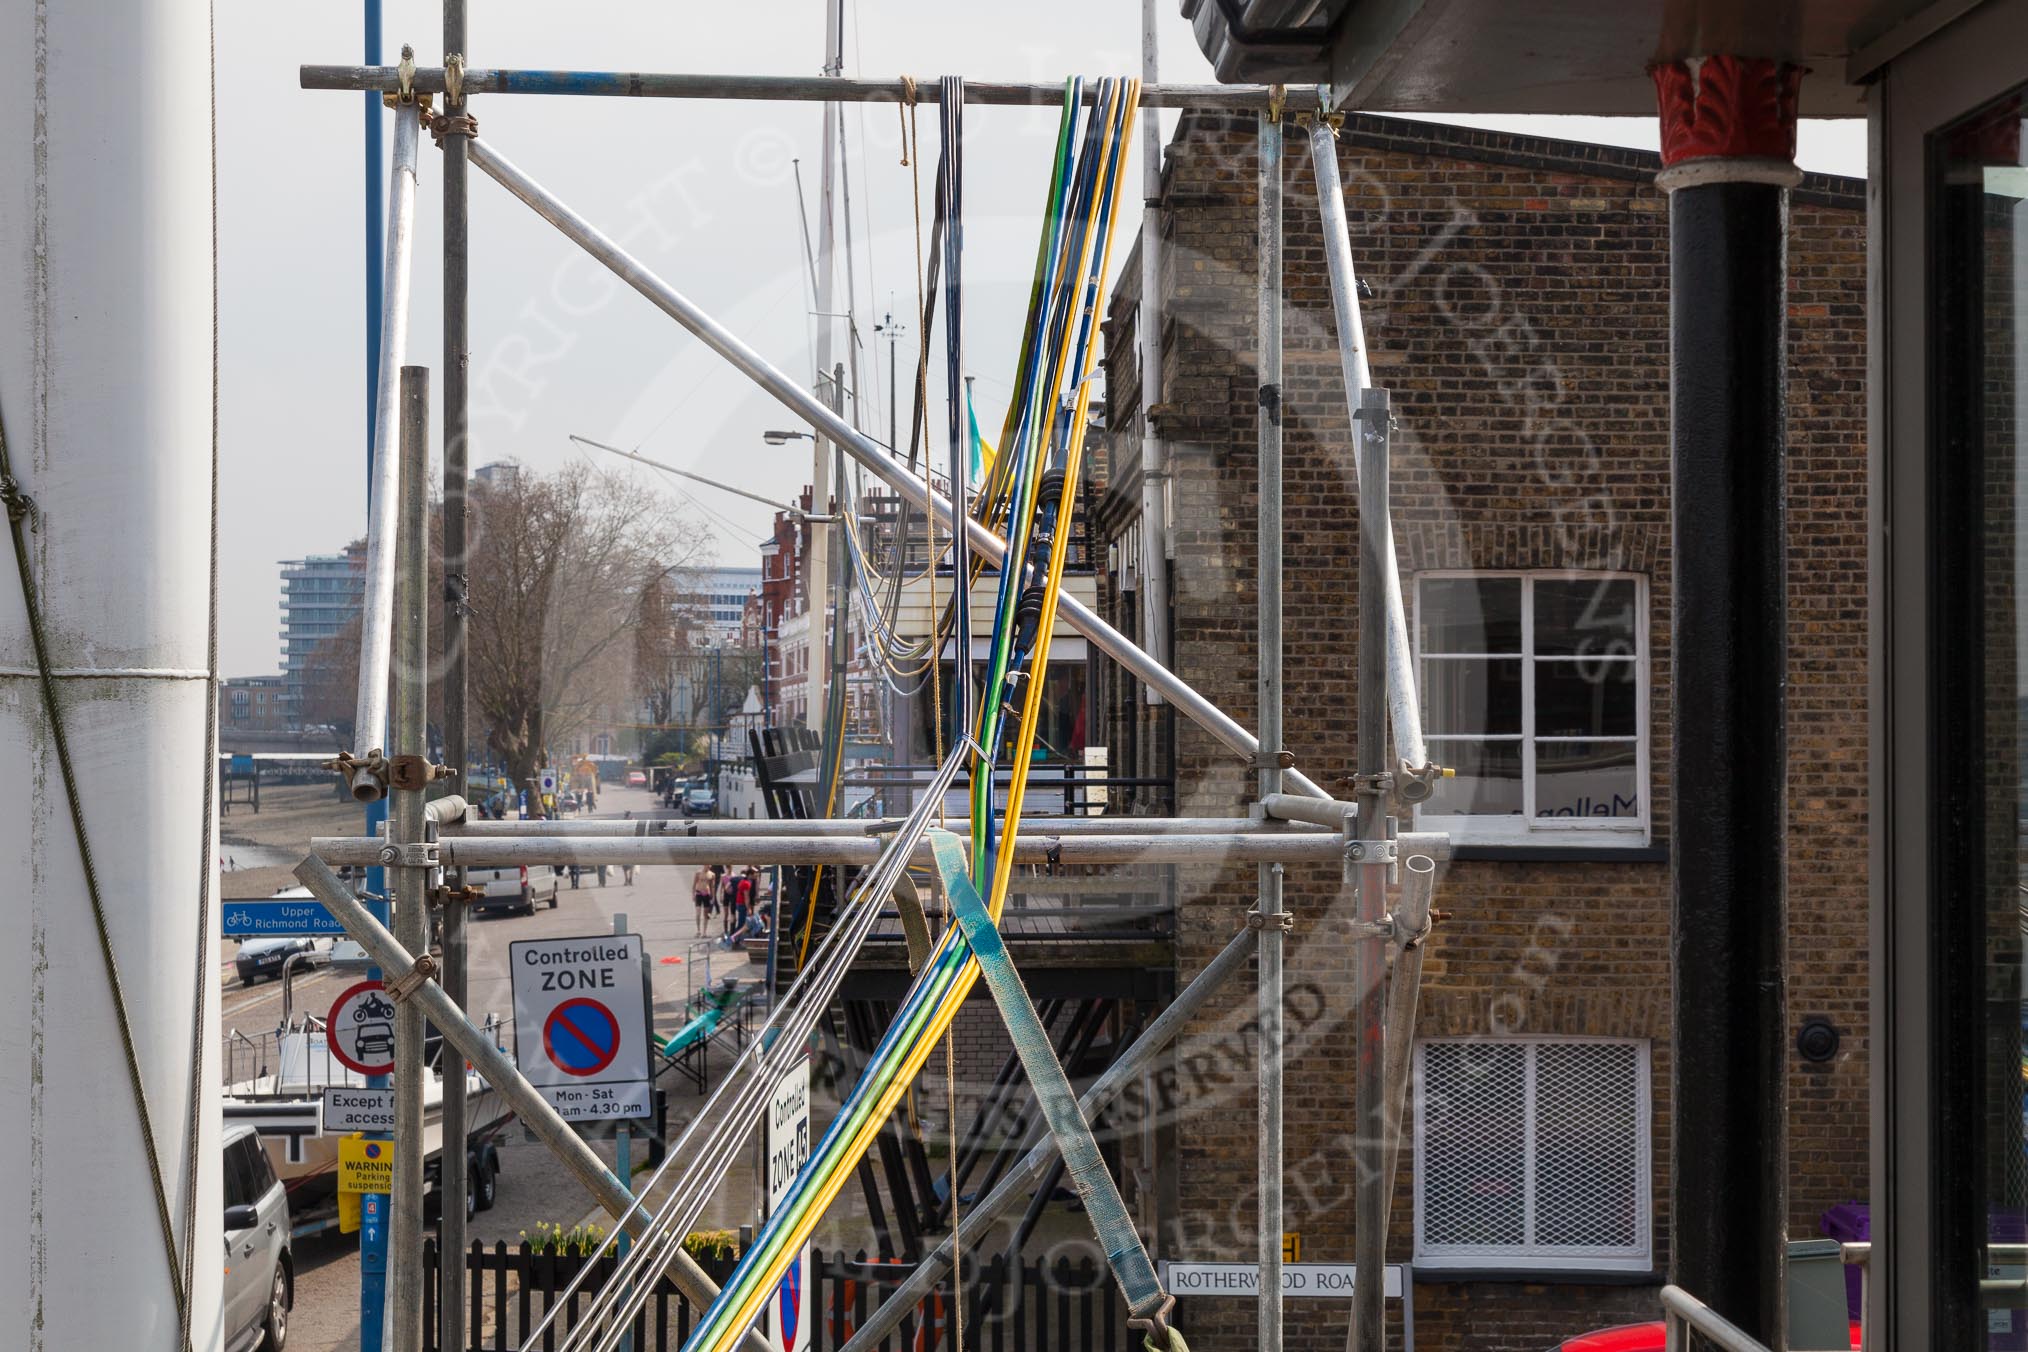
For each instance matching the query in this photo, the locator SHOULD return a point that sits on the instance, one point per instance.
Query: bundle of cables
(1031, 487)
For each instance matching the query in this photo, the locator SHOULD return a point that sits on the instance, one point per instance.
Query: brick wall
(1520, 318)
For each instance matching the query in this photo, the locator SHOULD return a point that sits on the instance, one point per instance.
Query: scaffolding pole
(451, 1170)
(498, 1070)
(1307, 847)
(1369, 875)
(1154, 599)
(1273, 920)
(1402, 709)
(874, 827)
(376, 641)
(411, 881)
(867, 452)
(782, 88)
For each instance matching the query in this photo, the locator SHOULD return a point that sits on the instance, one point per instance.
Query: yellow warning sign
(348, 1213)
(365, 1166)
(1292, 1246)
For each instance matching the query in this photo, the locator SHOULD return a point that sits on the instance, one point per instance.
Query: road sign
(348, 1109)
(581, 1024)
(788, 1150)
(547, 781)
(361, 1029)
(1328, 1280)
(365, 1166)
(581, 1036)
(270, 919)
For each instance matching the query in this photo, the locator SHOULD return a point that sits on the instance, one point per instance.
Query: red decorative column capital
(1727, 118)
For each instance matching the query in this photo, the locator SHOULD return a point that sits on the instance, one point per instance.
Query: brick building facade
(1519, 316)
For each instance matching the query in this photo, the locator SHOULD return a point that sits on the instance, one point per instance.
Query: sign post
(788, 1150)
(581, 1024)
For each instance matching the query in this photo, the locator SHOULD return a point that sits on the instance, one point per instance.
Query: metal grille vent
(1532, 1152)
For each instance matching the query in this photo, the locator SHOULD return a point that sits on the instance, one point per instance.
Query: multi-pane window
(1535, 693)
(1532, 1153)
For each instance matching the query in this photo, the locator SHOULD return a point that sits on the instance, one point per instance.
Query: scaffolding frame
(1306, 826)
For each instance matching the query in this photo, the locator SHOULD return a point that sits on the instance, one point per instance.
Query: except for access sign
(581, 1024)
(349, 1109)
(361, 1029)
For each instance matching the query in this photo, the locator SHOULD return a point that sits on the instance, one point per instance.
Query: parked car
(260, 1275)
(259, 958)
(700, 802)
(636, 779)
(515, 890)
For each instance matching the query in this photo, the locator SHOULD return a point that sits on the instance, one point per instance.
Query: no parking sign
(581, 1024)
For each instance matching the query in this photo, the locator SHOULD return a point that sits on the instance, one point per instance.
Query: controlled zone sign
(581, 1024)
(788, 1148)
(360, 1029)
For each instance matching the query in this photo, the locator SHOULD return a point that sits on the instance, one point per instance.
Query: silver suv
(515, 889)
(259, 1274)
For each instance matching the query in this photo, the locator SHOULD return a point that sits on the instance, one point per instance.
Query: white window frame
(1546, 1257)
(1526, 828)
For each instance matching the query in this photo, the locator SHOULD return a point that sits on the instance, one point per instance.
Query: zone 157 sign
(581, 1024)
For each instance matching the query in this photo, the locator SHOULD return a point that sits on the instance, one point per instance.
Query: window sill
(1437, 1275)
(1508, 852)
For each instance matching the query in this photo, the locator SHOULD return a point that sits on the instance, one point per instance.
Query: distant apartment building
(720, 600)
(252, 704)
(320, 594)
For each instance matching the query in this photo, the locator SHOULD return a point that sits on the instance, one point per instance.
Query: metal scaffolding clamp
(1372, 851)
(411, 854)
(1285, 921)
(405, 985)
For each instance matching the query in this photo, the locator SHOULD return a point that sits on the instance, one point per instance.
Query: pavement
(533, 1185)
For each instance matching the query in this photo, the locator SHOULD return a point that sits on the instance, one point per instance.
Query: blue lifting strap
(1146, 1300)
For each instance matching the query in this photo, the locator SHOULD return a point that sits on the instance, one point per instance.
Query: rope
(20, 508)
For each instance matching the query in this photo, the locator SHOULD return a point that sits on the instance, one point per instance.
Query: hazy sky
(704, 193)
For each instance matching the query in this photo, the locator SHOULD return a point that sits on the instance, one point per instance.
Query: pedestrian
(602, 875)
(627, 873)
(743, 897)
(724, 898)
(573, 877)
(701, 883)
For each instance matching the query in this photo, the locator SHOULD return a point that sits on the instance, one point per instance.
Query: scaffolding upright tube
(376, 637)
(1403, 710)
(1369, 968)
(456, 420)
(861, 448)
(411, 882)
(1268, 589)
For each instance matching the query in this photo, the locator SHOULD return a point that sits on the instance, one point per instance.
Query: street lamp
(779, 438)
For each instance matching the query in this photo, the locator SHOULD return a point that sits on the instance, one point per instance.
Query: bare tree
(559, 566)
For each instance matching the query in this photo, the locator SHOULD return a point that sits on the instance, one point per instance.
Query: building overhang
(1549, 56)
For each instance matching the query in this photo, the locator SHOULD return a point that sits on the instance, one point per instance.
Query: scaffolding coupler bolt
(1271, 760)
(415, 854)
(449, 896)
(1418, 782)
(408, 982)
(1371, 851)
(1285, 921)
(410, 773)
